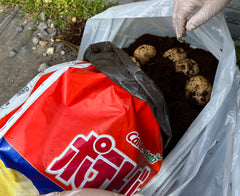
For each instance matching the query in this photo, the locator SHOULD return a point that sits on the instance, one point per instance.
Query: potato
(175, 54)
(187, 66)
(134, 59)
(198, 90)
(144, 53)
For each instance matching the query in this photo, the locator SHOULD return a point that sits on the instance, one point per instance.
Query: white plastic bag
(206, 161)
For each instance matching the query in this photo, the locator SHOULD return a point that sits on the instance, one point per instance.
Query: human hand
(86, 192)
(183, 8)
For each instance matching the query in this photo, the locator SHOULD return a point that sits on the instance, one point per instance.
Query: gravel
(50, 51)
(43, 43)
(12, 53)
(42, 26)
(19, 29)
(42, 67)
(35, 40)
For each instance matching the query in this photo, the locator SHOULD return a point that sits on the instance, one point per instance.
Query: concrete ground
(19, 57)
(19, 62)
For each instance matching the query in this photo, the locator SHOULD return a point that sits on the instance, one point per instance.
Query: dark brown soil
(71, 36)
(172, 84)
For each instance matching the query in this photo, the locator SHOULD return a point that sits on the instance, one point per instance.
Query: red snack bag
(88, 126)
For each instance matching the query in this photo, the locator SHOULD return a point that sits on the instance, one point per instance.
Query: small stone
(50, 23)
(52, 40)
(19, 29)
(59, 46)
(44, 54)
(74, 19)
(42, 26)
(34, 48)
(43, 34)
(43, 67)
(52, 33)
(62, 52)
(35, 33)
(12, 53)
(32, 26)
(57, 40)
(49, 30)
(50, 51)
(42, 16)
(43, 43)
(35, 40)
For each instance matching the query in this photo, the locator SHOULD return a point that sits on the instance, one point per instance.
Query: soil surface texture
(172, 84)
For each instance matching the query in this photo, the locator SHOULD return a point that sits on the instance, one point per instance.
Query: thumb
(209, 9)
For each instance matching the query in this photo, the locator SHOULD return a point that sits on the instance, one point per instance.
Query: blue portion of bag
(12, 159)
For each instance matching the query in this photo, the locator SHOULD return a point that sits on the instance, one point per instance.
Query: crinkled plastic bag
(206, 160)
(84, 125)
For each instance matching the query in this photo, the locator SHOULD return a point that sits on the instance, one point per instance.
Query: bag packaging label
(84, 131)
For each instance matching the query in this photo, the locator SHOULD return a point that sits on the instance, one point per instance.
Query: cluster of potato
(197, 89)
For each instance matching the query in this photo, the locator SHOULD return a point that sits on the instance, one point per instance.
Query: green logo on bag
(134, 139)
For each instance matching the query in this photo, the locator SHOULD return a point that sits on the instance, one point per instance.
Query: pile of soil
(73, 32)
(181, 112)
